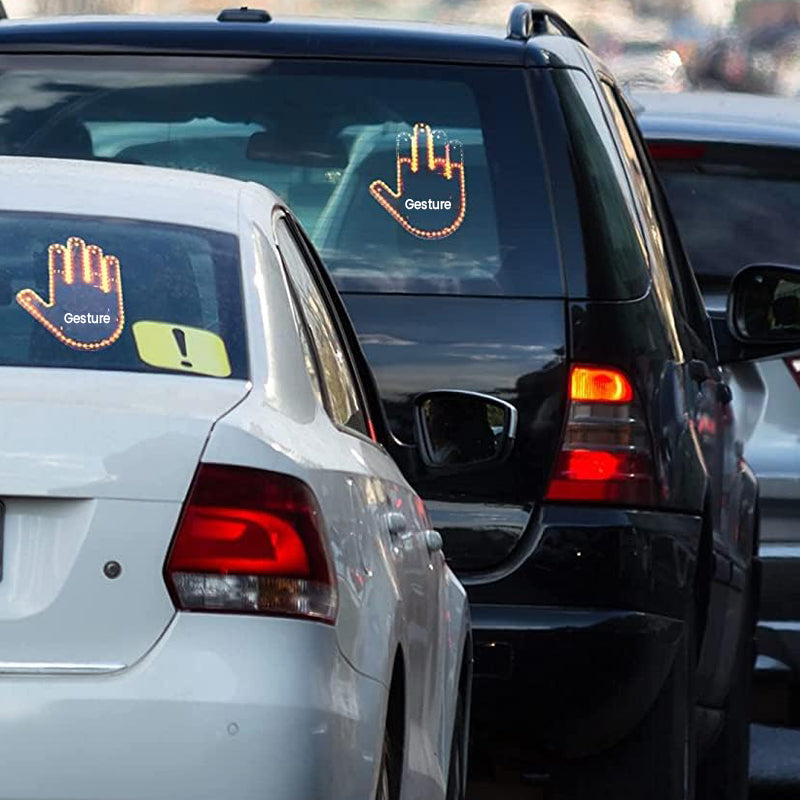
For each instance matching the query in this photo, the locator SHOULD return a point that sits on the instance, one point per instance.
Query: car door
(708, 404)
(385, 504)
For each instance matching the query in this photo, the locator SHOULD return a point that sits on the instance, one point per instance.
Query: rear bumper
(574, 640)
(574, 681)
(779, 626)
(222, 706)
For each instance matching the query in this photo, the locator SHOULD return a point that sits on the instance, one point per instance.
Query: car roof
(99, 188)
(306, 38)
(727, 117)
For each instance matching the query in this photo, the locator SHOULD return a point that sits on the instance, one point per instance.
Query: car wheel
(456, 783)
(724, 771)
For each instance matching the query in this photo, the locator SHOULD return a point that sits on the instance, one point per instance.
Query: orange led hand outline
(436, 168)
(85, 309)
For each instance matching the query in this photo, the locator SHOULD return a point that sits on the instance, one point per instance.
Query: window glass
(345, 144)
(340, 386)
(615, 252)
(115, 294)
(729, 220)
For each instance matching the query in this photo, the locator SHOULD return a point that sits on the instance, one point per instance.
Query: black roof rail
(531, 19)
(243, 14)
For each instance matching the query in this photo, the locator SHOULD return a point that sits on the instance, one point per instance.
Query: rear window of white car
(409, 178)
(117, 294)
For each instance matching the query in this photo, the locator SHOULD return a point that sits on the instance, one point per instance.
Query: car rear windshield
(119, 294)
(735, 206)
(409, 178)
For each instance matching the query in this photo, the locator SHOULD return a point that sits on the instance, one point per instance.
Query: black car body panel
(559, 264)
(414, 343)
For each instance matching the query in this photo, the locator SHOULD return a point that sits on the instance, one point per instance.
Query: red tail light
(251, 542)
(605, 455)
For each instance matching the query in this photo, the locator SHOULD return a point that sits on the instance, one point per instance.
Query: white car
(216, 582)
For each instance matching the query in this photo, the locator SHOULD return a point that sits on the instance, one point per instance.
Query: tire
(657, 760)
(456, 779)
(724, 771)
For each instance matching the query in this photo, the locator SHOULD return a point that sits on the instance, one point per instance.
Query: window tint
(327, 136)
(730, 216)
(156, 297)
(336, 373)
(616, 257)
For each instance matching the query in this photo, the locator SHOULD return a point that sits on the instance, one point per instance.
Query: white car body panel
(195, 705)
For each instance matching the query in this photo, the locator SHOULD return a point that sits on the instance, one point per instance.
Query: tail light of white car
(251, 542)
(605, 454)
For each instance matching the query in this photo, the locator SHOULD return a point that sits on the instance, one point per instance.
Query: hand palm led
(427, 170)
(83, 283)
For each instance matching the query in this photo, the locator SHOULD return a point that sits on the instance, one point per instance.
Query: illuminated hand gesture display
(430, 200)
(85, 308)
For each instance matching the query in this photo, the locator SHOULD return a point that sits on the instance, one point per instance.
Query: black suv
(489, 213)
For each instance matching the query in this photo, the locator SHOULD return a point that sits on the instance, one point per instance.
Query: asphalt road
(774, 769)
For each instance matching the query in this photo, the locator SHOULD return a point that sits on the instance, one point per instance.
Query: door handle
(433, 539)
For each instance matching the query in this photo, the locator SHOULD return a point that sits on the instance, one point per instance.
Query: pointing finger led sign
(430, 198)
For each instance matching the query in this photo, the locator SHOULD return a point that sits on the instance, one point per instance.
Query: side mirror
(463, 429)
(764, 305)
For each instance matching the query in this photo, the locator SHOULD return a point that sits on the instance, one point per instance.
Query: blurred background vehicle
(730, 164)
(649, 65)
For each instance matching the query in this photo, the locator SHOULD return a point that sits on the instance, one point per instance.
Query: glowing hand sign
(85, 307)
(430, 200)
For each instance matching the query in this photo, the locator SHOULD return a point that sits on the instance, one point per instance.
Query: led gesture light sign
(430, 200)
(85, 308)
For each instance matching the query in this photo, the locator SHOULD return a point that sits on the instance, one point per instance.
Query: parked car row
(227, 507)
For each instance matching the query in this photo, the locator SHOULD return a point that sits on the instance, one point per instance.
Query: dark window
(335, 370)
(184, 277)
(734, 207)
(321, 133)
(615, 252)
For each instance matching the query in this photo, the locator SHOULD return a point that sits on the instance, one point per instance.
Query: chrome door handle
(433, 539)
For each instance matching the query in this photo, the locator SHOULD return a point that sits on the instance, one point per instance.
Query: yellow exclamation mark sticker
(180, 338)
(167, 346)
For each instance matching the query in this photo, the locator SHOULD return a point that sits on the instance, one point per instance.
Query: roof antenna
(3, 14)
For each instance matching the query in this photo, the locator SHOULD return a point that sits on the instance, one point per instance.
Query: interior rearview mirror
(764, 304)
(304, 147)
(463, 429)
